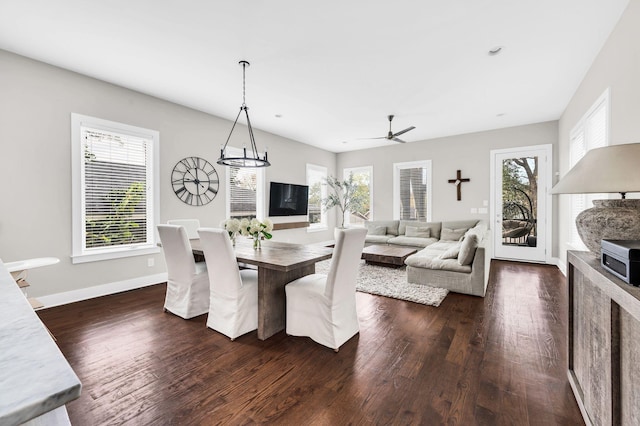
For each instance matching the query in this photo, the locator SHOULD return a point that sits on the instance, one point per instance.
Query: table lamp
(611, 169)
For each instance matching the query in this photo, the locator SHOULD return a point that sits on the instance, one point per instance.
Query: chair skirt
(310, 313)
(236, 315)
(188, 301)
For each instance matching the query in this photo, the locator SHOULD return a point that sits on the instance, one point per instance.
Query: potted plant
(345, 196)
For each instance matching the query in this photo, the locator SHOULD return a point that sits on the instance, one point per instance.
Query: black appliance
(622, 259)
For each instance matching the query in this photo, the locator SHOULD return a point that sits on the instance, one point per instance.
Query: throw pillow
(451, 253)
(414, 231)
(452, 234)
(468, 249)
(376, 230)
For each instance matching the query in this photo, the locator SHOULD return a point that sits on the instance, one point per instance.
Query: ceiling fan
(394, 136)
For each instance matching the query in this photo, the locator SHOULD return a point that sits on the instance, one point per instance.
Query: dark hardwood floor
(497, 360)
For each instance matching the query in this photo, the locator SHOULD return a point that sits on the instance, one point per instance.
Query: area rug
(391, 282)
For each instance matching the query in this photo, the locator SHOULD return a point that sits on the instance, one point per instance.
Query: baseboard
(561, 264)
(86, 293)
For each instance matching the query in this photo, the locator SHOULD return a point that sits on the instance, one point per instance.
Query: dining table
(278, 263)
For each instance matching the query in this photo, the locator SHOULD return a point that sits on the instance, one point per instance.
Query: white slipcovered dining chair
(190, 225)
(187, 281)
(233, 303)
(323, 307)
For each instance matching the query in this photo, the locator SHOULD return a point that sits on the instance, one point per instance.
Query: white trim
(260, 187)
(548, 149)
(345, 175)
(323, 224)
(58, 299)
(78, 253)
(396, 185)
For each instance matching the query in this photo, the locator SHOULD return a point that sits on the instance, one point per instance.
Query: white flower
(255, 226)
(232, 225)
(244, 226)
(268, 225)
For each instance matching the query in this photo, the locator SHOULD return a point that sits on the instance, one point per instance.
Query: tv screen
(287, 199)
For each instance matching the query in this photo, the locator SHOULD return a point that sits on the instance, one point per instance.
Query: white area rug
(393, 283)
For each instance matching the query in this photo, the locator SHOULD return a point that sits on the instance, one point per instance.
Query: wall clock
(195, 181)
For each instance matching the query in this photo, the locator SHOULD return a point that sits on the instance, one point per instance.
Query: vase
(233, 240)
(256, 243)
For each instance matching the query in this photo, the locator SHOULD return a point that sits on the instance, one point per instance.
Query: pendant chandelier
(251, 157)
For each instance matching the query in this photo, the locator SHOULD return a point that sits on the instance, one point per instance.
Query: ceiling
(328, 73)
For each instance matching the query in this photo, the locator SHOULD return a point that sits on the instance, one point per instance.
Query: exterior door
(520, 213)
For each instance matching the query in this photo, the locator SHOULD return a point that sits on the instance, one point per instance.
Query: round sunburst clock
(195, 181)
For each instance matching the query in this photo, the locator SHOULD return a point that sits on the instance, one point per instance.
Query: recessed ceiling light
(501, 114)
(278, 115)
(496, 50)
(344, 141)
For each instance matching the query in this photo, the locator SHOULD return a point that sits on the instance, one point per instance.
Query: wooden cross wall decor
(458, 183)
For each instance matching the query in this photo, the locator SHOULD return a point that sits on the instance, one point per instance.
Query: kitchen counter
(35, 378)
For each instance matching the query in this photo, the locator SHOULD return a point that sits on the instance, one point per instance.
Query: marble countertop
(34, 375)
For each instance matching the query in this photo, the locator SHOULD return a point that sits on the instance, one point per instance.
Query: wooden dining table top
(274, 254)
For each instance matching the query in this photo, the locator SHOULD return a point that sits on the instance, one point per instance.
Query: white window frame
(79, 252)
(426, 164)
(260, 185)
(322, 226)
(345, 175)
(580, 202)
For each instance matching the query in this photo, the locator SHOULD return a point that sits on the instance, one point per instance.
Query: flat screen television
(287, 199)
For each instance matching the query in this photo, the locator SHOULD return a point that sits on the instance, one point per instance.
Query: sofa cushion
(479, 230)
(411, 241)
(414, 231)
(457, 224)
(433, 226)
(377, 239)
(468, 249)
(420, 260)
(451, 253)
(391, 225)
(449, 234)
(376, 229)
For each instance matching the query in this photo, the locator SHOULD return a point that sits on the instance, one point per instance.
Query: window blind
(413, 193)
(115, 189)
(243, 184)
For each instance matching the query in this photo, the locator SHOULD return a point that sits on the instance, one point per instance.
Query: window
(363, 178)
(114, 191)
(316, 176)
(412, 190)
(592, 131)
(245, 190)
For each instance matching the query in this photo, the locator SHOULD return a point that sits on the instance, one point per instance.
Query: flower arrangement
(256, 229)
(249, 228)
(232, 226)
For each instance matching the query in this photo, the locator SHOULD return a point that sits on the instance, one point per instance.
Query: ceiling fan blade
(403, 131)
(398, 140)
(367, 139)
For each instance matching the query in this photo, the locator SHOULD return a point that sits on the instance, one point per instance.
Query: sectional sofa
(450, 254)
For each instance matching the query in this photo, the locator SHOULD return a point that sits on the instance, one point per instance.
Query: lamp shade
(614, 168)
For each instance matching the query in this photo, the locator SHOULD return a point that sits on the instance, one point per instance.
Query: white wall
(468, 153)
(617, 67)
(36, 101)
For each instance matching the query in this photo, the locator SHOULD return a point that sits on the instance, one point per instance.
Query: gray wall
(617, 67)
(36, 102)
(468, 153)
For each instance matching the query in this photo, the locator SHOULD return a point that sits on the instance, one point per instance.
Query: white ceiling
(332, 69)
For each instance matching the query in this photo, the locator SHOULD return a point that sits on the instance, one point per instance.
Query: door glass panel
(519, 201)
